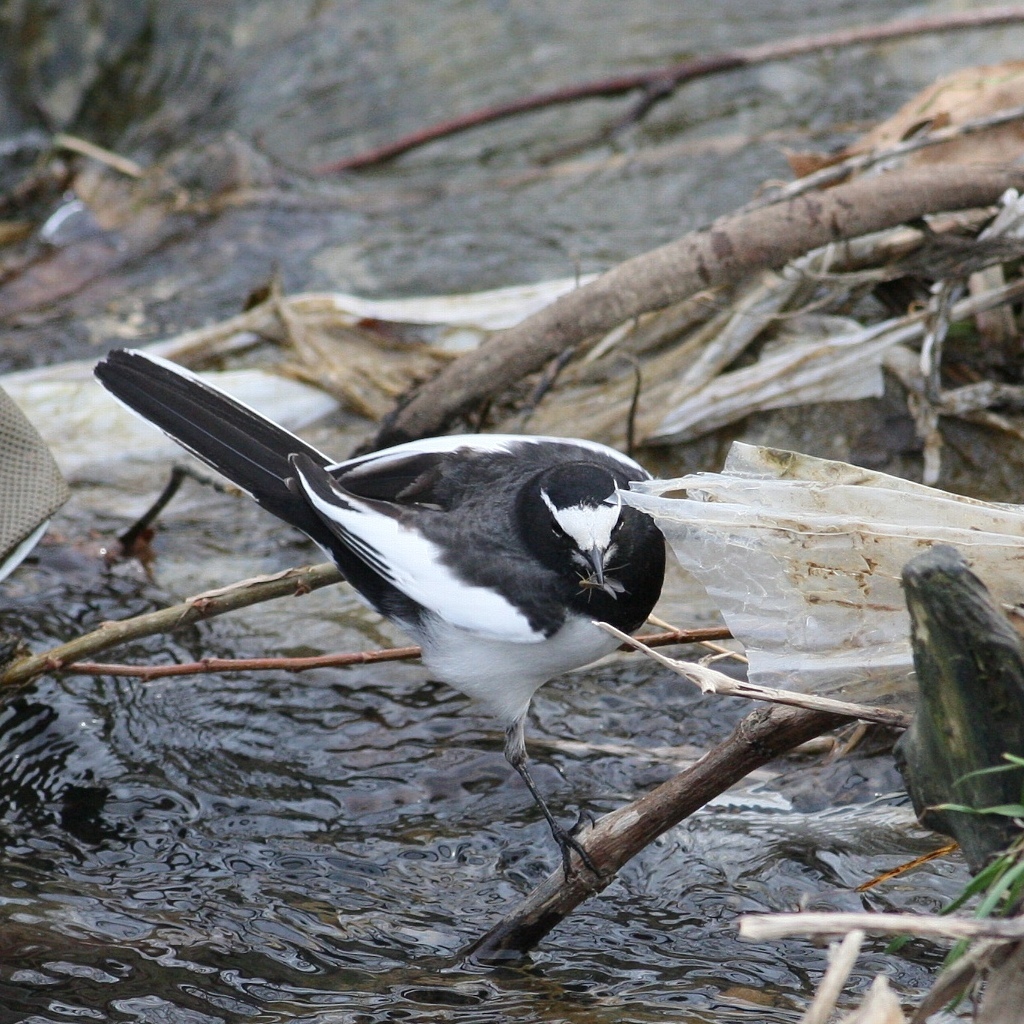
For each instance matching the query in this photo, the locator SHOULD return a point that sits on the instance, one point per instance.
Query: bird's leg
(515, 754)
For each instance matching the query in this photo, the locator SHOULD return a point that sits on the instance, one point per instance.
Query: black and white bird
(495, 553)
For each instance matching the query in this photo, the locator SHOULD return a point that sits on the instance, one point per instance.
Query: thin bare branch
(711, 681)
(659, 83)
(762, 927)
(209, 666)
(204, 606)
(835, 173)
(841, 961)
(62, 140)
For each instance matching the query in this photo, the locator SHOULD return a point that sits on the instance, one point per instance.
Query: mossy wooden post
(970, 671)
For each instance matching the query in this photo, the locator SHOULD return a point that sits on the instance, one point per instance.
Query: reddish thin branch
(661, 82)
(211, 665)
(208, 666)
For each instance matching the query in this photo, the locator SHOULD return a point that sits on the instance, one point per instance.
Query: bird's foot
(569, 844)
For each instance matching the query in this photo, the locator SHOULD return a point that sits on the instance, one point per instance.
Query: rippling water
(321, 847)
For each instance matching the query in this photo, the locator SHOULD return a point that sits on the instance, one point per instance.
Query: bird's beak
(596, 580)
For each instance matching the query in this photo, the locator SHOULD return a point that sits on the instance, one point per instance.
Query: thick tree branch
(728, 250)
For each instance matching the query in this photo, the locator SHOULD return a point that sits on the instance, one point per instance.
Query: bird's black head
(611, 556)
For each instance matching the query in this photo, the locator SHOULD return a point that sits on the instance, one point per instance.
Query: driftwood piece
(970, 670)
(761, 737)
(728, 250)
(768, 927)
(996, 952)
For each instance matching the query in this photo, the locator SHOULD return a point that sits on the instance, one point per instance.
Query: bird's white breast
(504, 676)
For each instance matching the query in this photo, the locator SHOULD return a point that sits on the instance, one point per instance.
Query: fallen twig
(166, 620)
(837, 172)
(210, 666)
(711, 681)
(213, 665)
(760, 927)
(841, 961)
(128, 539)
(138, 530)
(62, 140)
(659, 83)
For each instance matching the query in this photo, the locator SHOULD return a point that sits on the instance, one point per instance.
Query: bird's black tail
(226, 434)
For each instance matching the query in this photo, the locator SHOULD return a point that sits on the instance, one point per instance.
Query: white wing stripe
(412, 564)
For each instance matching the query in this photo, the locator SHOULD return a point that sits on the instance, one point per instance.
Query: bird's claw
(569, 844)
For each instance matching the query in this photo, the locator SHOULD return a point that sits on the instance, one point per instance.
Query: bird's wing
(405, 479)
(426, 472)
(386, 539)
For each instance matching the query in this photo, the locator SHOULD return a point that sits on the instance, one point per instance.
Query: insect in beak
(596, 580)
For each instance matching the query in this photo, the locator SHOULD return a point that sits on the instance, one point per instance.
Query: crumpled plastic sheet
(804, 557)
